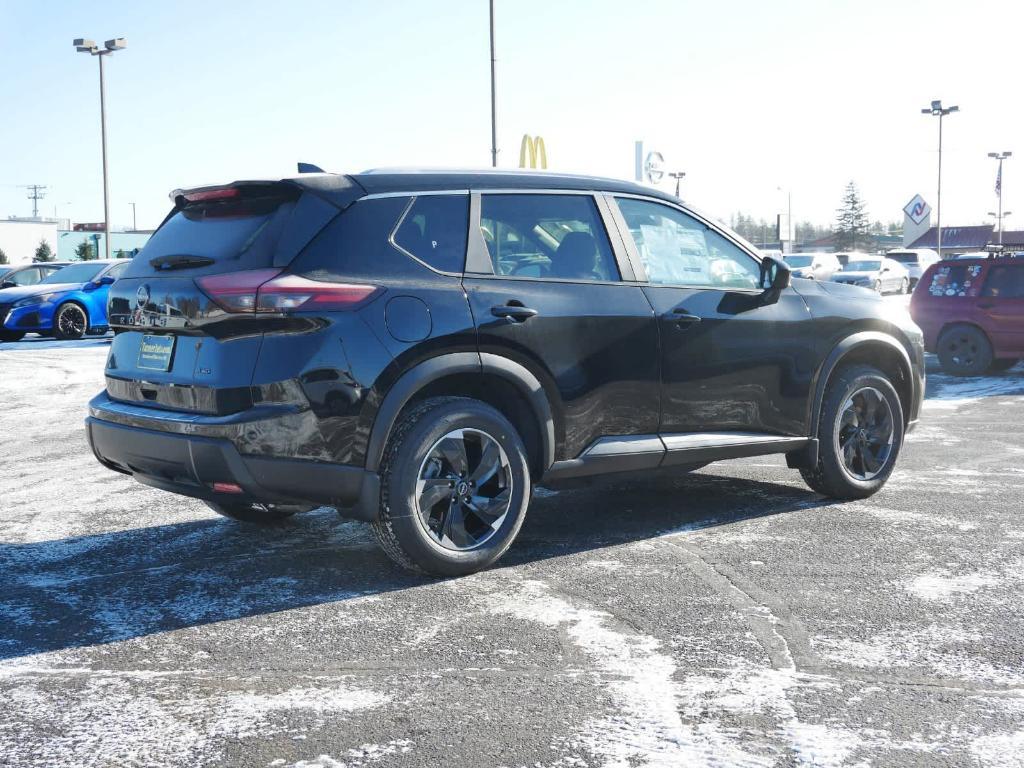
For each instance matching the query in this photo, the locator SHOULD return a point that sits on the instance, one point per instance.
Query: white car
(916, 260)
(877, 272)
(813, 266)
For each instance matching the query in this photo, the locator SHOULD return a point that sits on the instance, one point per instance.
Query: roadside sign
(917, 209)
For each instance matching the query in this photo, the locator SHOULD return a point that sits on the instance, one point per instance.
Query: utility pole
(1000, 156)
(937, 110)
(36, 193)
(83, 45)
(494, 109)
(134, 226)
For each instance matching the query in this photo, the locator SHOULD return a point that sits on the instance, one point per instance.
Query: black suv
(419, 349)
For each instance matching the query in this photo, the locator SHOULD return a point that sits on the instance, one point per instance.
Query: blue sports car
(68, 303)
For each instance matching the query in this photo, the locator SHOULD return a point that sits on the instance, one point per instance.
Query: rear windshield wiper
(180, 261)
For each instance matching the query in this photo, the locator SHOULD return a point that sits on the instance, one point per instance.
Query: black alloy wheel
(71, 322)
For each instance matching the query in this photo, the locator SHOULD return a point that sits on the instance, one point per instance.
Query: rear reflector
(227, 488)
(269, 291)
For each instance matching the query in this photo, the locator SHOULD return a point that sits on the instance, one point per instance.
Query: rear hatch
(188, 331)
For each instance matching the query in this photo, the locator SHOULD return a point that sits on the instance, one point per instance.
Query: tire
(878, 287)
(71, 321)
(253, 513)
(1002, 364)
(913, 283)
(6, 335)
(423, 462)
(849, 474)
(905, 286)
(964, 350)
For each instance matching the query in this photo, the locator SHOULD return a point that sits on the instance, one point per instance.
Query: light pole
(678, 176)
(937, 110)
(134, 226)
(790, 229)
(1000, 156)
(999, 221)
(494, 110)
(84, 45)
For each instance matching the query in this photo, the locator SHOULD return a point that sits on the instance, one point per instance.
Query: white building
(19, 238)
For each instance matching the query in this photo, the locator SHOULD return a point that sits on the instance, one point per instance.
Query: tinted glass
(903, 258)
(25, 277)
(799, 261)
(679, 250)
(1005, 282)
(553, 236)
(74, 273)
(245, 232)
(863, 266)
(435, 229)
(955, 280)
(118, 269)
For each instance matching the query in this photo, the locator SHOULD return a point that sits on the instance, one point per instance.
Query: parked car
(972, 314)
(813, 266)
(844, 257)
(27, 274)
(878, 273)
(421, 357)
(67, 303)
(916, 261)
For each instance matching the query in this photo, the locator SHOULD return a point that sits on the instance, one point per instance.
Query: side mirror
(8, 284)
(885, 268)
(775, 274)
(105, 280)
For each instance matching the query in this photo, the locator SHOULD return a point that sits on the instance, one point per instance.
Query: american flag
(999, 179)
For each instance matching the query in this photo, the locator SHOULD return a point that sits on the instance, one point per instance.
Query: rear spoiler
(337, 189)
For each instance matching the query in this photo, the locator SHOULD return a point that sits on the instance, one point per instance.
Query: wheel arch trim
(436, 368)
(841, 350)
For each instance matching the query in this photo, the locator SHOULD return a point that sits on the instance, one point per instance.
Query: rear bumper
(190, 464)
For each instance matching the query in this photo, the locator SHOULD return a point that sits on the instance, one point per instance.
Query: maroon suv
(972, 313)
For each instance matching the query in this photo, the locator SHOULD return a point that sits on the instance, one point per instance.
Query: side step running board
(642, 452)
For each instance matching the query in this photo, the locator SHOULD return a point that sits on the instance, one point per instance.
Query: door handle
(514, 313)
(682, 318)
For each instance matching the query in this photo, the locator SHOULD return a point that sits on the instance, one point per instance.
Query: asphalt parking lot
(729, 617)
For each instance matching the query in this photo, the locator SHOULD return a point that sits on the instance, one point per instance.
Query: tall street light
(1000, 156)
(84, 45)
(134, 225)
(937, 110)
(494, 110)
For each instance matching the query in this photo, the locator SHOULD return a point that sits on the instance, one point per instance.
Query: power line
(36, 193)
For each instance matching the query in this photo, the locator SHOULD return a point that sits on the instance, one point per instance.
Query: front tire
(71, 322)
(878, 287)
(964, 351)
(455, 485)
(860, 434)
(905, 286)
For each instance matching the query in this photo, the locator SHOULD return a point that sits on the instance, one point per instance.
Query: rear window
(75, 273)
(955, 280)
(245, 233)
(434, 230)
(903, 258)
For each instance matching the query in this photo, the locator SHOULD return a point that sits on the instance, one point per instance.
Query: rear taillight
(267, 290)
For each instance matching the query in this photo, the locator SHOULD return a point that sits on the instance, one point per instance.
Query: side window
(1005, 282)
(955, 280)
(679, 250)
(435, 229)
(552, 236)
(118, 269)
(25, 277)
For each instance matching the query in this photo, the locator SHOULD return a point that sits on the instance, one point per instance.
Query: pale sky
(745, 96)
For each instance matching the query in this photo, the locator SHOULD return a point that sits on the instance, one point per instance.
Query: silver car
(879, 273)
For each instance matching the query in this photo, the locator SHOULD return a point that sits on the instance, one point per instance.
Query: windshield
(863, 266)
(74, 273)
(903, 258)
(799, 261)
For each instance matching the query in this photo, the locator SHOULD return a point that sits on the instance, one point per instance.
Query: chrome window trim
(701, 219)
(414, 193)
(401, 220)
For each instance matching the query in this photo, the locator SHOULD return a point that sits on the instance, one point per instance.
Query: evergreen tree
(43, 252)
(3, 257)
(852, 222)
(84, 251)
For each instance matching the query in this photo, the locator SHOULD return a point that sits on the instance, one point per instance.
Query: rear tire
(905, 286)
(455, 485)
(70, 322)
(1002, 364)
(964, 350)
(6, 335)
(860, 434)
(253, 513)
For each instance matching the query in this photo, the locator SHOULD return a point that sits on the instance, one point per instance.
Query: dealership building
(19, 238)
